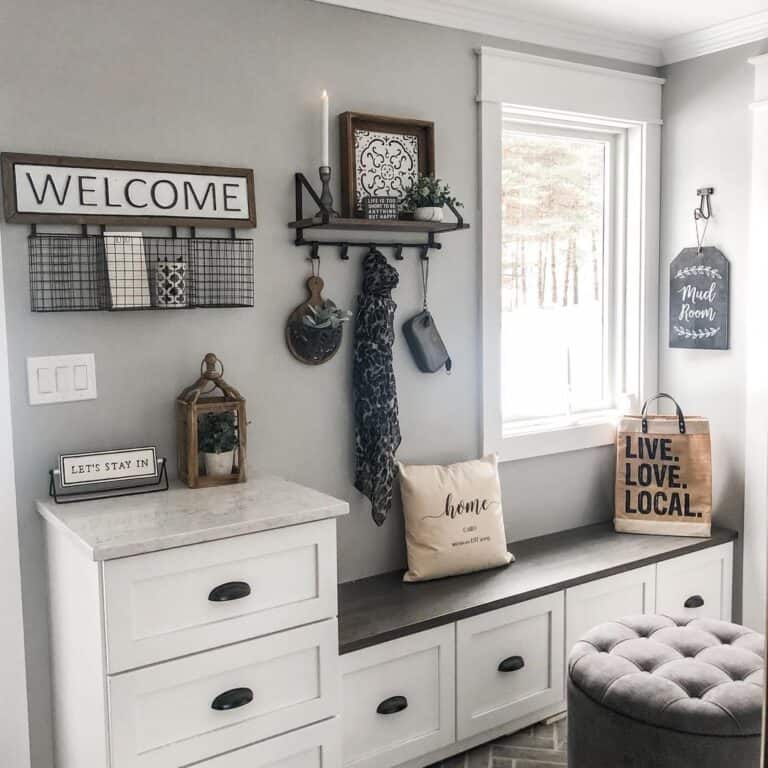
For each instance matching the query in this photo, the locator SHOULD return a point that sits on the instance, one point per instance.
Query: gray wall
(238, 82)
(707, 141)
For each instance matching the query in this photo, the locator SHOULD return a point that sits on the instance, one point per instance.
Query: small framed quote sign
(107, 466)
(77, 190)
(379, 208)
(699, 299)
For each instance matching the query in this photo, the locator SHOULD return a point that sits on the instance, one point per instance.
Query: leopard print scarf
(377, 430)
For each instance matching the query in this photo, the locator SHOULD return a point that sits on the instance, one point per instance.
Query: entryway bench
(434, 668)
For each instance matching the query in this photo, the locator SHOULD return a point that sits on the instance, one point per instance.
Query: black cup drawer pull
(232, 590)
(512, 664)
(694, 601)
(392, 705)
(237, 697)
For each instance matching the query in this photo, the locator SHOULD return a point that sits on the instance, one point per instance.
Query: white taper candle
(324, 159)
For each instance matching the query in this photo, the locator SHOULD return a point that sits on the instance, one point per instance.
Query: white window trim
(555, 92)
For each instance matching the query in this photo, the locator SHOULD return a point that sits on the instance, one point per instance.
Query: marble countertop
(132, 525)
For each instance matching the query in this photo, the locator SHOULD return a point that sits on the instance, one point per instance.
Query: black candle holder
(326, 211)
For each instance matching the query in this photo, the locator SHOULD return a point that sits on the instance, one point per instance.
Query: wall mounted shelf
(327, 222)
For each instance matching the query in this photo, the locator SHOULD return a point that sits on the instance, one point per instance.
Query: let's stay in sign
(42, 188)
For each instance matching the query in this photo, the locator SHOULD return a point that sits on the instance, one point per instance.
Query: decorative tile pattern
(542, 746)
(386, 164)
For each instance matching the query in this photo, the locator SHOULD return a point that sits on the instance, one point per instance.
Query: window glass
(554, 341)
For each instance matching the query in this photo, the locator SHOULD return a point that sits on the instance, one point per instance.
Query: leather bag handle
(659, 396)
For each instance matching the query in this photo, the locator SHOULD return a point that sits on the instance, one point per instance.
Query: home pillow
(453, 519)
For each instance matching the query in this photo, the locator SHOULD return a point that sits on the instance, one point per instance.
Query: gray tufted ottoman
(662, 692)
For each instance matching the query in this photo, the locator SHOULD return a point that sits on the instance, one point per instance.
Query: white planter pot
(429, 213)
(219, 464)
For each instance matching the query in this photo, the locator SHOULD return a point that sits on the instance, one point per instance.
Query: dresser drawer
(596, 602)
(698, 584)
(509, 664)
(398, 699)
(316, 746)
(184, 711)
(166, 604)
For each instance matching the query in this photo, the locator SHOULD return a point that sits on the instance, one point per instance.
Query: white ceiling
(651, 32)
(654, 20)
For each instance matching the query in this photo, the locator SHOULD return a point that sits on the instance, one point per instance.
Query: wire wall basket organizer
(127, 271)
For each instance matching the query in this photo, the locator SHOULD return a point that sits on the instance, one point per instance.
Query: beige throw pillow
(453, 519)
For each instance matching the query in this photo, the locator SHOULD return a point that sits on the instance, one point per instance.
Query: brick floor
(542, 746)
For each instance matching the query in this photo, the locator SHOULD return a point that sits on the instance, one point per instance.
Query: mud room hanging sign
(699, 299)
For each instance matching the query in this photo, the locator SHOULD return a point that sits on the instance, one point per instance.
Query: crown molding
(730, 34)
(489, 17)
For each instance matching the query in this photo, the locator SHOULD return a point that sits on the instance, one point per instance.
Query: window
(556, 327)
(570, 160)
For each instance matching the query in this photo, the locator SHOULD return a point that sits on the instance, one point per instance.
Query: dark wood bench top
(383, 607)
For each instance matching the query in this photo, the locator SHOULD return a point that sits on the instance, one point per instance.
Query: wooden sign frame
(349, 122)
(13, 214)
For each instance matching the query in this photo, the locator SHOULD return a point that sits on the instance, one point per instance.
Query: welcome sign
(43, 188)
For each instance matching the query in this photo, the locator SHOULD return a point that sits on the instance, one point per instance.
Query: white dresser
(195, 627)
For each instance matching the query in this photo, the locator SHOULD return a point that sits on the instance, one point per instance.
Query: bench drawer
(596, 602)
(164, 605)
(398, 699)
(316, 746)
(510, 664)
(186, 710)
(698, 584)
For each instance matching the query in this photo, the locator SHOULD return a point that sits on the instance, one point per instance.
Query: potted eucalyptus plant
(217, 438)
(426, 198)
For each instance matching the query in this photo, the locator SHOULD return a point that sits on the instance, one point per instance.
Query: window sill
(544, 441)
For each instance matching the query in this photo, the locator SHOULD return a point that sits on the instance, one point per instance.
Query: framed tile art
(381, 157)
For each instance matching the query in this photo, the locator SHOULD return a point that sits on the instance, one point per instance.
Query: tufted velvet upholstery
(695, 676)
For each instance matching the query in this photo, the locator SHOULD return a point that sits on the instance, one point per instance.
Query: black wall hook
(704, 211)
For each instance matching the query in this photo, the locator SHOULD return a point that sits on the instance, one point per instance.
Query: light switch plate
(61, 379)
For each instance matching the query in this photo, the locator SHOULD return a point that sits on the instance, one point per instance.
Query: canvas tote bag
(663, 474)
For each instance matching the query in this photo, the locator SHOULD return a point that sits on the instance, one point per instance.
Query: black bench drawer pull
(237, 697)
(392, 705)
(694, 601)
(512, 664)
(232, 590)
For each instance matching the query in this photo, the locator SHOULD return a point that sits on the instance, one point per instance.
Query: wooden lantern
(203, 421)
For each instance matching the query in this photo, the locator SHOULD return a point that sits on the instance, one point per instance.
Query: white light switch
(81, 377)
(45, 383)
(61, 379)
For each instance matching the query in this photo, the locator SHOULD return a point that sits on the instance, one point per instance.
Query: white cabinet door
(596, 602)
(698, 584)
(316, 746)
(398, 699)
(186, 710)
(167, 604)
(509, 664)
